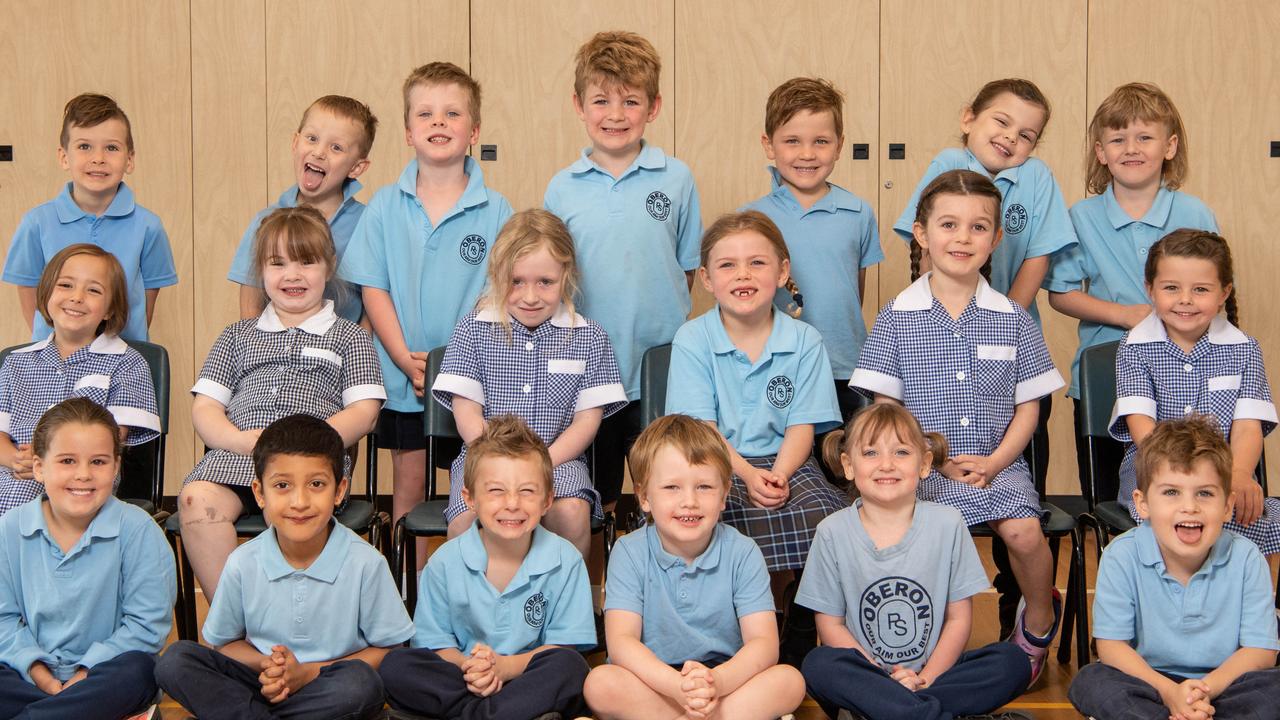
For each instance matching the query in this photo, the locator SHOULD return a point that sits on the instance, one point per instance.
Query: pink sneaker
(1037, 649)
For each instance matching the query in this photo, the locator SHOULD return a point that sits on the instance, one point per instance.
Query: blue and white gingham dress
(1223, 377)
(36, 377)
(545, 376)
(962, 378)
(262, 371)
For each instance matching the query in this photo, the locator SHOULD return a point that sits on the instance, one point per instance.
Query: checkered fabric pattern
(545, 376)
(35, 378)
(785, 534)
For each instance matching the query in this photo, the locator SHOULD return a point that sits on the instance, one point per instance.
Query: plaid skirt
(784, 534)
(1011, 494)
(227, 468)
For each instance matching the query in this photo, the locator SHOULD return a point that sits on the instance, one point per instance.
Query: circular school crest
(897, 617)
(658, 205)
(780, 391)
(535, 610)
(1015, 219)
(472, 249)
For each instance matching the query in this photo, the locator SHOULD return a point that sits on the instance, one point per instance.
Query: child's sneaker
(1036, 648)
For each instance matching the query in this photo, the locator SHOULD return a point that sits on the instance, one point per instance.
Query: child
(1185, 357)
(830, 233)
(1183, 615)
(633, 213)
(298, 356)
(305, 611)
(892, 580)
(330, 150)
(1136, 161)
(503, 608)
(688, 613)
(764, 381)
(971, 364)
(96, 149)
(524, 351)
(86, 581)
(82, 296)
(419, 254)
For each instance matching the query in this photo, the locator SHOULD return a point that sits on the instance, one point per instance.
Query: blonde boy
(688, 609)
(420, 253)
(634, 216)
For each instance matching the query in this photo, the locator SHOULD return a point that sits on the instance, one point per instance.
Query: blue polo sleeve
(751, 588)
(968, 578)
(26, 259)
(869, 250)
(1254, 400)
(689, 229)
(691, 385)
(1257, 612)
(820, 588)
(1135, 391)
(365, 262)
(432, 621)
(1036, 374)
(131, 399)
(815, 401)
(242, 270)
(461, 371)
(602, 383)
(1049, 214)
(624, 587)
(18, 646)
(383, 619)
(879, 370)
(157, 258)
(225, 622)
(907, 219)
(147, 590)
(1115, 613)
(570, 621)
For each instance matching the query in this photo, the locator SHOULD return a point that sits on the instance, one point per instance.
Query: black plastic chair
(426, 519)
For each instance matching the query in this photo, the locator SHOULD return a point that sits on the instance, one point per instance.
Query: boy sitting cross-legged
(1183, 614)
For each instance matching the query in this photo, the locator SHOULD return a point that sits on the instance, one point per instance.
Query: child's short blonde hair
(1141, 102)
(697, 441)
(443, 73)
(1181, 443)
(617, 57)
(89, 110)
(303, 234)
(803, 93)
(507, 436)
(117, 286)
(350, 109)
(524, 233)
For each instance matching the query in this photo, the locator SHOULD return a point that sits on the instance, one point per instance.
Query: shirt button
(298, 620)
(1187, 410)
(528, 345)
(955, 335)
(274, 390)
(964, 422)
(528, 388)
(1143, 251)
(684, 595)
(960, 375)
(1186, 367)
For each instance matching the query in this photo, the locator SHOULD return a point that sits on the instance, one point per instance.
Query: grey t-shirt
(893, 600)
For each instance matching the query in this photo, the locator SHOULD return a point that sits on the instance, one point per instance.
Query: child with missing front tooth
(688, 613)
(297, 356)
(305, 611)
(1183, 613)
(892, 580)
(96, 206)
(504, 608)
(330, 150)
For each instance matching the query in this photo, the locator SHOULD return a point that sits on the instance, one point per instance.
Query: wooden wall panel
(933, 58)
(1218, 63)
(140, 54)
(730, 55)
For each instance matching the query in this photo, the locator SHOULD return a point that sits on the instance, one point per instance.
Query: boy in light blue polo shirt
(330, 150)
(420, 253)
(305, 611)
(95, 207)
(1183, 614)
(830, 232)
(636, 223)
(688, 609)
(86, 581)
(504, 607)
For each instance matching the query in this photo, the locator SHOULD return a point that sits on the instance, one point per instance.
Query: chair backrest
(437, 420)
(1097, 399)
(157, 358)
(653, 383)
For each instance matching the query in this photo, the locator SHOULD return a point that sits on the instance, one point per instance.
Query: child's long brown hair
(756, 222)
(954, 182)
(1201, 244)
(876, 420)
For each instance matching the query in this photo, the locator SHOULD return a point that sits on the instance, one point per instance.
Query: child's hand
(294, 675)
(43, 678)
(763, 491)
(1131, 315)
(416, 370)
(1249, 499)
(968, 469)
(80, 674)
(908, 678)
(699, 687)
(1182, 698)
(272, 678)
(480, 671)
(22, 463)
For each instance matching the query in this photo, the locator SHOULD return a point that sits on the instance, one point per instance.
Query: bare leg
(461, 524)
(408, 488)
(1032, 566)
(773, 693)
(208, 512)
(570, 518)
(614, 693)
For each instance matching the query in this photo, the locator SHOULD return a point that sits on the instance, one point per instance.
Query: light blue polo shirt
(127, 230)
(111, 594)
(1110, 261)
(341, 226)
(1034, 216)
(752, 404)
(689, 611)
(433, 273)
(547, 602)
(343, 603)
(635, 237)
(1187, 631)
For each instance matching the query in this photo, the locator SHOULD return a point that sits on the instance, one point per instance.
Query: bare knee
(1022, 535)
(207, 503)
(607, 688)
(570, 517)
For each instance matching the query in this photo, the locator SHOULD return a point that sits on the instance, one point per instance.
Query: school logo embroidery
(780, 391)
(472, 249)
(897, 618)
(535, 610)
(658, 205)
(1015, 219)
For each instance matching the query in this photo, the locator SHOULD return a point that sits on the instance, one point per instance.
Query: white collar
(562, 317)
(317, 324)
(104, 344)
(1151, 330)
(918, 296)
